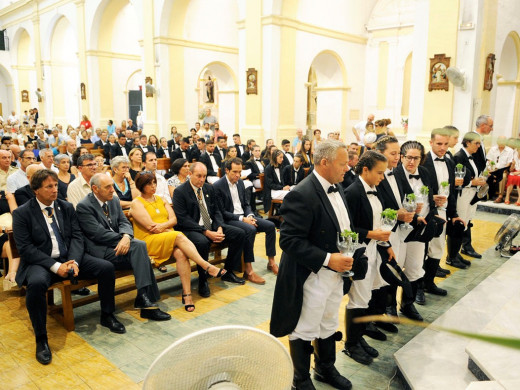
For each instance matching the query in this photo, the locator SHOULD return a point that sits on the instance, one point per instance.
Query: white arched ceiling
(508, 67)
(329, 70)
(392, 13)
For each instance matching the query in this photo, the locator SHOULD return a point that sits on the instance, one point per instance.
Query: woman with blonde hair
(136, 162)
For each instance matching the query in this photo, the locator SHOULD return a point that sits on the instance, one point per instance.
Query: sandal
(499, 199)
(517, 204)
(162, 268)
(187, 307)
(221, 272)
(507, 202)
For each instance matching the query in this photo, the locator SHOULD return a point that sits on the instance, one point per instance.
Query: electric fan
(222, 358)
(457, 77)
(506, 235)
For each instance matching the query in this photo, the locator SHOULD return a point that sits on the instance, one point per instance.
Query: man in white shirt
(19, 178)
(150, 164)
(47, 159)
(499, 156)
(360, 128)
(80, 186)
(13, 119)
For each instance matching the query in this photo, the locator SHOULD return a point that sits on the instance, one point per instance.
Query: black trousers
(234, 240)
(40, 278)
(264, 226)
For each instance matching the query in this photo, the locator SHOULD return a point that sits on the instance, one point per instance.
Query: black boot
(453, 246)
(353, 347)
(467, 248)
(420, 299)
(324, 359)
(301, 356)
(407, 307)
(379, 304)
(430, 268)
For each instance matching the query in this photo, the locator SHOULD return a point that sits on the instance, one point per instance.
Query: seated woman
(153, 221)
(513, 179)
(181, 172)
(231, 153)
(100, 161)
(40, 141)
(123, 183)
(62, 161)
(273, 188)
(136, 162)
(153, 144)
(85, 139)
(305, 151)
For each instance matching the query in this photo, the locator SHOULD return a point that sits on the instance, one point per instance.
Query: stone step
(438, 360)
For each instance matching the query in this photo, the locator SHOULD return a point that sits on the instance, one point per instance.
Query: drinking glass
(387, 224)
(409, 205)
(444, 191)
(459, 174)
(347, 246)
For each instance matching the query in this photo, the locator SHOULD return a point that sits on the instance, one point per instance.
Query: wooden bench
(163, 164)
(64, 312)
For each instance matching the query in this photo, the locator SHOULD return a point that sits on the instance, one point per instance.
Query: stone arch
(330, 90)
(225, 105)
(6, 92)
(507, 107)
(407, 85)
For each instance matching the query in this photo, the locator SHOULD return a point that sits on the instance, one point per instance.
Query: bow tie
(391, 173)
(470, 157)
(372, 193)
(414, 177)
(440, 159)
(257, 159)
(332, 189)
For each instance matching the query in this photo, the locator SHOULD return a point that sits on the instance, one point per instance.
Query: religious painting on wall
(208, 90)
(490, 69)
(83, 91)
(25, 96)
(252, 80)
(438, 78)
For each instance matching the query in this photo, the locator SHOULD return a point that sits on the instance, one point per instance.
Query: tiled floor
(92, 357)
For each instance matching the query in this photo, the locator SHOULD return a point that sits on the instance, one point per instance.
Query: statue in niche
(210, 90)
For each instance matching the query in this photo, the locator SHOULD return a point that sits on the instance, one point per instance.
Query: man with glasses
(19, 178)
(80, 187)
(150, 164)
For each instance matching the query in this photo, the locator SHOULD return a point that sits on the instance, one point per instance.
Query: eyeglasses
(92, 165)
(30, 158)
(412, 158)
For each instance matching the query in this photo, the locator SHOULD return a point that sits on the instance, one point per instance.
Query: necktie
(203, 211)
(372, 193)
(332, 189)
(105, 211)
(414, 177)
(440, 159)
(61, 244)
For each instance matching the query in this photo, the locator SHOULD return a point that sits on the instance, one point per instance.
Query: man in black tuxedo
(121, 147)
(175, 142)
(211, 159)
(288, 157)
(293, 173)
(198, 149)
(350, 175)
(221, 148)
(143, 145)
(309, 287)
(198, 216)
(50, 242)
(182, 152)
(237, 212)
(102, 141)
(241, 148)
(109, 235)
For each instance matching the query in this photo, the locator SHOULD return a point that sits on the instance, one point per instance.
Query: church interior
(265, 69)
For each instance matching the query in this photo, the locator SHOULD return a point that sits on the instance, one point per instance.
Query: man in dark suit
(309, 287)
(288, 157)
(50, 242)
(143, 145)
(237, 212)
(350, 175)
(211, 160)
(198, 216)
(241, 148)
(109, 235)
(121, 147)
(293, 173)
(198, 149)
(175, 142)
(221, 150)
(102, 141)
(182, 152)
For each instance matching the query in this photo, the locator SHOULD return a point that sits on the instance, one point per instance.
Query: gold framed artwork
(252, 81)
(490, 69)
(83, 91)
(25, 96)
(438, 78)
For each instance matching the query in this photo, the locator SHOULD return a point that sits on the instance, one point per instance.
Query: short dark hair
(142, 136)
(121, 135)
(40, 176)
(285, 142)
(440, 131)
(231, 161)
(452, 130)
(147, 153)
(27, 143)
(144, 178)
(177, 165)
(299, 156)
(220, 138)
(249, 141)
(85, 157)
(186, 140)
(236, 135)
(22, 153)
(369, 159)
(201, 140)
(210, 140)
(351, 155)
(6, 138)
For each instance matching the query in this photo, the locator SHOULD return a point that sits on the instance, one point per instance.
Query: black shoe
(110, 321)
(204, 289)
(43, 352)
(411, 312)
(155, 315)
(391, 311)
(230, 277)
(471, 253)
(358, 353)
(368, 349)
(433, 289)
(143, 302)
(456, 263)
(440, 274)
(463, 260)
(81, 291)
(443, 270)
(305, 385)
(332, 377)
(386, 326)
(420, 299)
(374, 333)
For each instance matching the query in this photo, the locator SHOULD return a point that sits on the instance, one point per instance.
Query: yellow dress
(160, 246)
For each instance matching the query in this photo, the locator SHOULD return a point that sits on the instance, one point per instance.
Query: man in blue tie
(50, 242)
